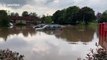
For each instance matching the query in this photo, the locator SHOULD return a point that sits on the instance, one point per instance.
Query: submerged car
(49, 27)
(53, 26)
(42, 28)
(39, 26)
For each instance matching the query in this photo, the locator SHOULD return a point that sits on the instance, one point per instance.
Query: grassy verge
(93, 25)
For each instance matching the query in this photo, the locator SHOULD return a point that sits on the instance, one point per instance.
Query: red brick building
(25, 20)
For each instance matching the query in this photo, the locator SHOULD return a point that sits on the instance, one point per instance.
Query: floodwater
(69, 43)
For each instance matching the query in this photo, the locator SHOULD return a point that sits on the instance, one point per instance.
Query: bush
(9, 55)
(101, 54)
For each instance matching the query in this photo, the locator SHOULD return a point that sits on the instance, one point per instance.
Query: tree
(71, 15)
(4, 19)
(74, 15)
(57, 17)
(46, 19)
(86, 15)
(33, 14)
(66, 16)
(25, 13)
(103, 17)
(14, 14)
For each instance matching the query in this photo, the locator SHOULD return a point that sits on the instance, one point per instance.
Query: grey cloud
(61, 4)
(21, 3)
(13, 1)
(49, 1)
(27, 2)
(43, 6)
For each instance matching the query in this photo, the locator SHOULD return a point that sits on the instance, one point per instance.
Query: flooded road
(69, 43)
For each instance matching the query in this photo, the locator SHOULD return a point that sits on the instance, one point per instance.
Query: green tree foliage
(33, 14)
(73, 15)
(14, 14)
(25, 13)
(57, 17)
(103, 17)
(46, 19)
(66, 16)
(4, 19)
(86, 15)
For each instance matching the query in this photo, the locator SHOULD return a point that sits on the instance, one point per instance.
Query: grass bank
(93, 25)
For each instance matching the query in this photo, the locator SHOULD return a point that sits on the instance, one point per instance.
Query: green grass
(93, 25)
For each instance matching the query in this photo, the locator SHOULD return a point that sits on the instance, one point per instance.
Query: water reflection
(74, 34)
(5, 32)
(49, 45)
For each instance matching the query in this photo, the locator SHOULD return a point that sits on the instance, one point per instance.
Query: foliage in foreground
(101, 54)
(9, 55)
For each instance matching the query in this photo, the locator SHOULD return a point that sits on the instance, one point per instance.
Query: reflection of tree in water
(25, 31)
(52, 32)
(78, 34)
(5, 32)
(75, 34)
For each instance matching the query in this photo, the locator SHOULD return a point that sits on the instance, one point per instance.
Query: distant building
(98, 15)
(25, 20)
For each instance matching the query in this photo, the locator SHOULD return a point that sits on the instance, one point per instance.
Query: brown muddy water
(69, 43)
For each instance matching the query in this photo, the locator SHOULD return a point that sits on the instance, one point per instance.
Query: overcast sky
(50, 6)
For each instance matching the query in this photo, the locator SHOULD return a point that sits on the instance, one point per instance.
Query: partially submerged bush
(9, 55)
(101, 54)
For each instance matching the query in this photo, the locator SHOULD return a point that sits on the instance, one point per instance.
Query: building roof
(23, 18)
